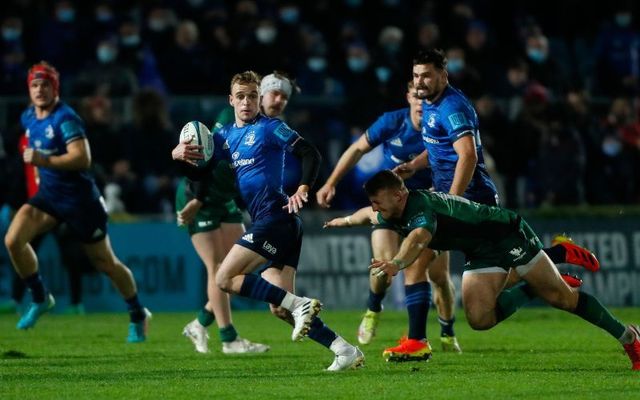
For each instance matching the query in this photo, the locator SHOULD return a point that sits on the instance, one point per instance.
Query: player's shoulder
(29, 114)
(63, 113)
(269, 122)
(454, 99)
(395, 117)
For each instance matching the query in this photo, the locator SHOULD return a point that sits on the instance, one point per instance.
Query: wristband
(401, 264)
(347, 220)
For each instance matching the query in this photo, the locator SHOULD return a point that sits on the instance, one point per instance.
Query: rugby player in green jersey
(493, 240)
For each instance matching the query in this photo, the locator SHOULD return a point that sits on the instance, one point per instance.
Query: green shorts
(213, 213)
(512, 250)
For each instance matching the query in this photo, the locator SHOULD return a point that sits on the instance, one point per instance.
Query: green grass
(538, 353)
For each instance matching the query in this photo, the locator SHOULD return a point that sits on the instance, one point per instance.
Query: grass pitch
(538, 353)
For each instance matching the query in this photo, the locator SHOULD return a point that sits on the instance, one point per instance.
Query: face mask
(623, 20)
(289, 15)
(536, 55)
(392, 47)
(157, 24)
(106, 54)
(455, 65)
(66, 15)
(266, 35)
(104, 16)
(357, 64)
(611, 147)
(11, 34)
(131, 40)
(317, 64)
(383, 74)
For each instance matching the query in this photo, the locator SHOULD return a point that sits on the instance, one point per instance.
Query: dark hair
(431, 56)
(385, 179)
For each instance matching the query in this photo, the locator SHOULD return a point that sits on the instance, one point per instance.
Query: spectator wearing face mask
(103, 75)
(12, 56)
(361, 84)
(616, 54)
(542, 67)
(463, 76)
(266, 50)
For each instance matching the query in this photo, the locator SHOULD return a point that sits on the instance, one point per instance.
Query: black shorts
(278, 240)
(87, 221)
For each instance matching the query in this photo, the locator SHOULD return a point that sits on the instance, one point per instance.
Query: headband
(40, 71)
(272, 82)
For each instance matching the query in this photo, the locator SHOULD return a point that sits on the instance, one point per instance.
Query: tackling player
(494, 240)
(399, 134)
(254, 146)
(58, 146)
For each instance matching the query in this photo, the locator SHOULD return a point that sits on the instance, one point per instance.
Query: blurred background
(555, 85)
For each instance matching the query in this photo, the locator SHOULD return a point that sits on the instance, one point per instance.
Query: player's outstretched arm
(410, 249)
(347, 160)
(77, 157)
(363, 216)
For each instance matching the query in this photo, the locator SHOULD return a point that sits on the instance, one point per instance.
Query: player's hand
(325, 195)
(33, 156)
(296, 202)
(187, 152)
(380, 268)
(405, 170)
(188, 213)
(336, 223)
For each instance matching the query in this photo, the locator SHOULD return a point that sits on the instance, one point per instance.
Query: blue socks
(321, 333)
(374, 303)
(417, 299)
(35, 285)
(136, 311)
(255, 287)
(446, 326)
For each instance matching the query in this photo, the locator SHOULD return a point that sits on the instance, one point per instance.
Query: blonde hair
(246, 78)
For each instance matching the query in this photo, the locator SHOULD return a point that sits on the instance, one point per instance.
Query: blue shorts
(277, 240)
(87, 221)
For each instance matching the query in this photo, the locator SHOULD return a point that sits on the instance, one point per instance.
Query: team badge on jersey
(431, 122)
(250, 139)
(49, 132)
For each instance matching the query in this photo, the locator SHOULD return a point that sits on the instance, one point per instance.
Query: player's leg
(28, 223)
(384, 244)
(232, 343)
(283, 277)
(103, 258)
(444, 296)
(480, 289)
(417, 300)
(545, 281)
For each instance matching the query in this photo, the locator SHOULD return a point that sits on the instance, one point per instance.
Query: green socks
(590, 309)
(511, 299)
(228, 333)
(205, 317)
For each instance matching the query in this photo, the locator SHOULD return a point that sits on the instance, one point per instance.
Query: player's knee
(11, 243)
(223, 281)
(481, 321)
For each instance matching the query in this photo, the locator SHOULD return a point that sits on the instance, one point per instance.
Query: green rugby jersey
(455, 222)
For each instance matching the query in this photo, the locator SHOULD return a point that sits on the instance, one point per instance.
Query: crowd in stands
(555, 84)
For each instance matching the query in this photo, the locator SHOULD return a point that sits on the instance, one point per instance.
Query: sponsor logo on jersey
(431, 122)
(396, 142)
(248, 238)
(429, 139)
(517, 253)
(269, 248)
(243, 162)
(49, 132)
(251, 139)
(458, 120)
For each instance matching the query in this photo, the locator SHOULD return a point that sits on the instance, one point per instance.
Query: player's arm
(310, 159)
(77, 157)
(406, 170)
(347, 160)
(410, 249)
(465, 147)
(363, 216)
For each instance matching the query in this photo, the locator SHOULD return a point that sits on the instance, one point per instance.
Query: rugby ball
(195, 132)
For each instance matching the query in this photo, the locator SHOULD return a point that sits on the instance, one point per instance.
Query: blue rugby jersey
(400, 143)
(50, 136)
(448, 119)
(256, 154)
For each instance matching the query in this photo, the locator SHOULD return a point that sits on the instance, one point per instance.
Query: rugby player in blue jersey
(399, 134)
(255, 146)
(58, 146)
